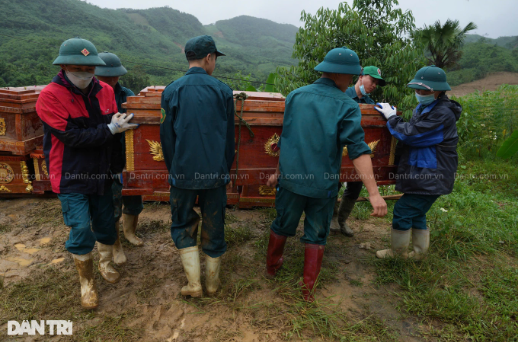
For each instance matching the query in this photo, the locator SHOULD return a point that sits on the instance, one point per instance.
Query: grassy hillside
(480, 59)
(32, 31)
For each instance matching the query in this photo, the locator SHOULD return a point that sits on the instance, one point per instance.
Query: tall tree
(443, 42)
(375, 29)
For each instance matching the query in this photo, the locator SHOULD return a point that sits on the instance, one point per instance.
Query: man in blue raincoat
(428, 163)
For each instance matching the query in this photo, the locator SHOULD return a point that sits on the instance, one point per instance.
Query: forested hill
(509, 42)
(31, 32)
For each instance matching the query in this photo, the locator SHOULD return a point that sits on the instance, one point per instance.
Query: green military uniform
(351, 92)
(353, 189)
(312, 141)
(197, 135)
(319, 120)
(133, 205)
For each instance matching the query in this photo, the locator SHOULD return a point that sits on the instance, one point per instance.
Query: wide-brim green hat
(374, 72)
(113, 67)
(78, 51)
(340, 61)
(430, 78)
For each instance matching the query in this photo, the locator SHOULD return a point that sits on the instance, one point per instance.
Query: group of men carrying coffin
(84, 148)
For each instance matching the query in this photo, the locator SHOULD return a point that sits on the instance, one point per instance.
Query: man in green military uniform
(319, 120)
(197, 134)
(369, 79)
(110, 73)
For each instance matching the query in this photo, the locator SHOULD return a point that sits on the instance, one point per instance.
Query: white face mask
(80, 79)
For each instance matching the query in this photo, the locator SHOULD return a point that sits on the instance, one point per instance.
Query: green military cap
(113, 66)
(430, 78)
(78, 51)
(374, 72)
(340, 61)
(201, 46)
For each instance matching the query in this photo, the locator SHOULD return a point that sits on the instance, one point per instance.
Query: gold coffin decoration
(6, 173)
(130, 150)
(274, 139)
(155, 148)
(3, 128)
(372, 146)
(36, 168)
(25, 176)
(266, 191)
(44, 167)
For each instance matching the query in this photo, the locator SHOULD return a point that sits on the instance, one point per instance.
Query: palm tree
(444, 43)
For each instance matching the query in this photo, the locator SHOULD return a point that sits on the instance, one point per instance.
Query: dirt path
(491, 82)
(146, 305)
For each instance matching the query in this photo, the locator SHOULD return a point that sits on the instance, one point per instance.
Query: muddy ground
(40, 282)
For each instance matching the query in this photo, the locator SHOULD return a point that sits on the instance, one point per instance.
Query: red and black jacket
(80, 151)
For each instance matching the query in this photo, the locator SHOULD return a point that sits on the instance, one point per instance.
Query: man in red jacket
(82, 132)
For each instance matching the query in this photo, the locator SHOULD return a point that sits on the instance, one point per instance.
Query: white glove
(120, 123)
(386, 109)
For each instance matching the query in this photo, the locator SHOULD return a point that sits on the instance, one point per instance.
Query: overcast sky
(494, 18)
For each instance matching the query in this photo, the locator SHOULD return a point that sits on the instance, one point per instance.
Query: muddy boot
(191, 266)
(274, 258)
(421, 242)
(85, 265)
(345, 209)
(400, 239)
(212, 266)
(109, 273)
(335, 226)
(129, 225)
(119, 258)
(312, 264)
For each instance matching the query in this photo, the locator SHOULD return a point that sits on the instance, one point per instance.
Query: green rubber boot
(345, 209)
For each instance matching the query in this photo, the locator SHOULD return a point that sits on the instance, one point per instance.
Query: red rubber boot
(312, 264)
(274, 256)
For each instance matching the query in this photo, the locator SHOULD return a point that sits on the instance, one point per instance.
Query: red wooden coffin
(15, 175)
(21, 130)
(256, 155)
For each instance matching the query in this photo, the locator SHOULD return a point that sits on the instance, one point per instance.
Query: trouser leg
(103, 225)
(318, 218)
(212, 205)
(118, 253)
(289, 207)
(103, 220)
(185, 220)
(76, 214)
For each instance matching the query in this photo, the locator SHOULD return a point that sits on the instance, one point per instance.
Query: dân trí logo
(49, 327)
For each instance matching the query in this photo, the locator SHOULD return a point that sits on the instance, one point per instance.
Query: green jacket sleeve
(167, 133)
(350, 132)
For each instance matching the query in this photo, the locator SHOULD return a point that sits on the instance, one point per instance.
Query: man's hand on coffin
(379, 205)
(273, 180)
(120, 123)
(386, 109)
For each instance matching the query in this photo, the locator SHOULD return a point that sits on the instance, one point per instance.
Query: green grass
(467, 287)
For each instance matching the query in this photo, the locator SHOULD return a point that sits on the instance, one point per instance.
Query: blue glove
(386, 109)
